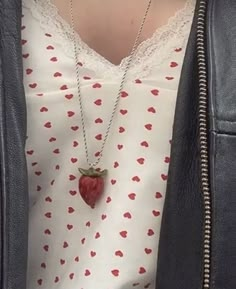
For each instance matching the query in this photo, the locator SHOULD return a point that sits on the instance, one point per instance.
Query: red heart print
(69, 96)
(167, 160)
(74, 160)
(48, 35)
(123, 234)
(169, 77)
(151, 109)
(43, 109)
(23, 41)
(26, 55)
(69, 227)
(34, 164)
(138, 81)
(123, 111)
(93, 254)
(32, 85)
(178, 49)
(103, 216)
(39, 94)
(52, 139)
(38, 173)
(124, 94)
(56, 279)
(30, 152)
(63, 87)
(43, 265)
(173, 64)
(73, 193)
(113, 182)
(158, 195)
(77, 259)
(40, 281)
(70, 113)
(144, 144)
(87, 272)
(148, 251)
(46, 247)
(119, 253)
(88, 224)
(86, 77)
(57, 74)
(147, 286)
(115, 272)
(56, 151)
(127, 215)
(57, 167)
(98, 137)
(97, 235)
(98, 102)
(135, 284)
(136, 179)
(48, 214)
(148, 126)
(150, 232)
(155, 92)
(75, 143)
(142, 270)
(29, 71)
(83, 241)
(156, 213)
(98, 120)
(132, 196)
(164, 177)
(119, 146)
(97, 85)
(71, 210)
(65, 245)
(48, 124)
(71, 276)
(108, 200)
(52, 182)
(47, 232)
(50, 47)
(80, 63)
(48, 199)
(72, 177)
(116, 164)
(141, 161)
(53, 59)
(121, 129)
(75, 128)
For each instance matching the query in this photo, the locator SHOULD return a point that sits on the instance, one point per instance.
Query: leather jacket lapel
(14, 194)
(180, 260)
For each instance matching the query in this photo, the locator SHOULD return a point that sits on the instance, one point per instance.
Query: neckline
(48, 15)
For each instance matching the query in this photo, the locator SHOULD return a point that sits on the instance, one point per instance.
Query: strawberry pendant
(91, 185)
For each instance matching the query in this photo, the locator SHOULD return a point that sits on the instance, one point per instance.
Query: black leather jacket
(197, 247)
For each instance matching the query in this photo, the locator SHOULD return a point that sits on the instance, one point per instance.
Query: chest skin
(111, 29)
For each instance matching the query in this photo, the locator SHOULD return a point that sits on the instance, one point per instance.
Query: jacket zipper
(203, 132)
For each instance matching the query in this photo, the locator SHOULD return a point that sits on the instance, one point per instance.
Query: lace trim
(151, 52)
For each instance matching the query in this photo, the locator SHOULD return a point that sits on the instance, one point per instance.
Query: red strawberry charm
(91, 185)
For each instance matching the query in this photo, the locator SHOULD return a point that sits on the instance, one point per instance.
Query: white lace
(151, 52)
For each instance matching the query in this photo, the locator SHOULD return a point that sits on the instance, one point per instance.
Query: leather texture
(180, 260)
(13, 190)
(221, 35)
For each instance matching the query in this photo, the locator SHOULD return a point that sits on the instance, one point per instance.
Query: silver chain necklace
(91, 174)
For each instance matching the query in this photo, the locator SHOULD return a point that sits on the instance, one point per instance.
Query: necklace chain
(129, 62)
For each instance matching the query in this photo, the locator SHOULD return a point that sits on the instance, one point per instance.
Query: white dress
(114, 245)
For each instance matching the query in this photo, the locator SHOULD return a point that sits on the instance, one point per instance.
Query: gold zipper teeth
(203, 133)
